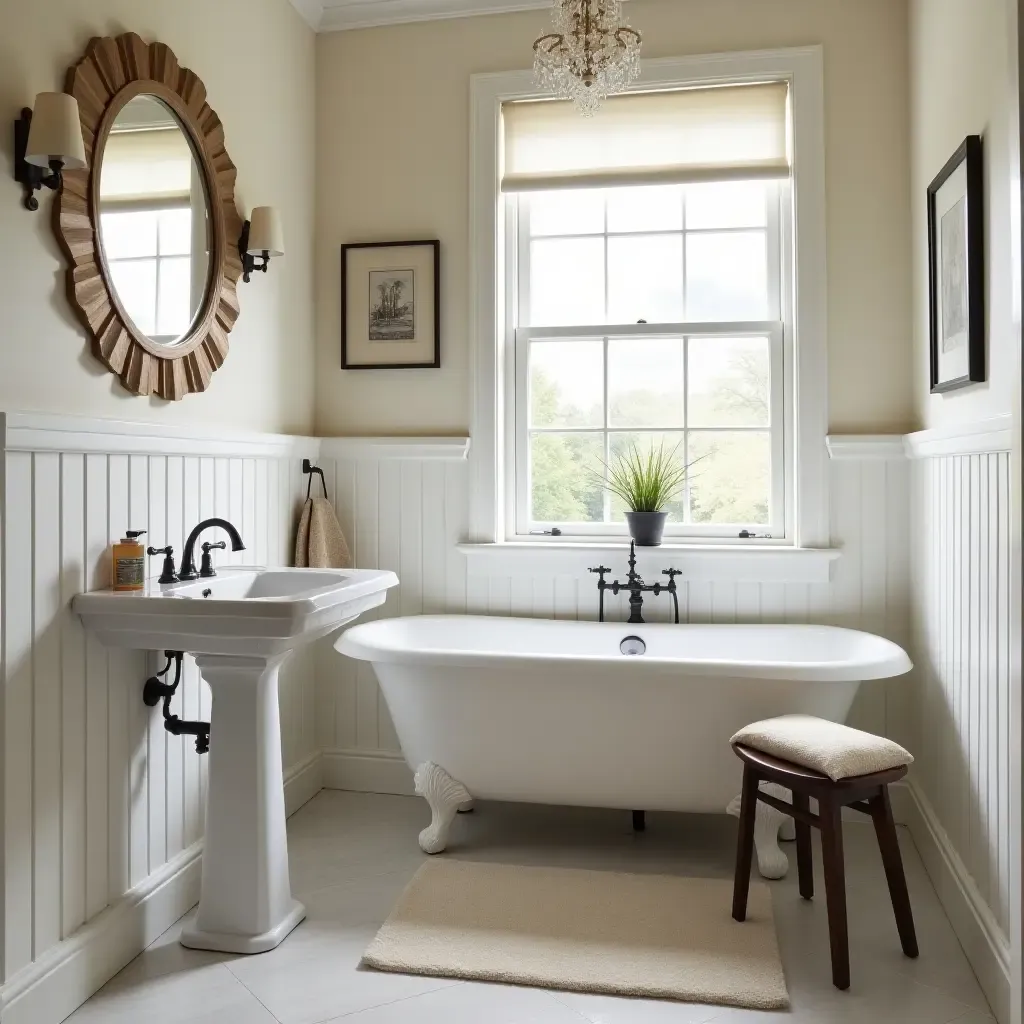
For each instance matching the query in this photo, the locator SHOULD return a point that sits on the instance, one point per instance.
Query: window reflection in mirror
(153, 220)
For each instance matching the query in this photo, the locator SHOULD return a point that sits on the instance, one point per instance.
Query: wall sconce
(261, 238)
(47, 141)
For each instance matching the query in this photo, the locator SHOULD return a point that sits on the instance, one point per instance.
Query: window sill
(699, 563)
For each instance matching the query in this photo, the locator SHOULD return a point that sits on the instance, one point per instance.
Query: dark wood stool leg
(830, 814)
(745, 844)
(804, 856)
(889, 846)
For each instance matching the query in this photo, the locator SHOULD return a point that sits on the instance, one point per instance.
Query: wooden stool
(868, 794)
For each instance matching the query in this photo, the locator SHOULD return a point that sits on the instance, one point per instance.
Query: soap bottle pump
(129, 562)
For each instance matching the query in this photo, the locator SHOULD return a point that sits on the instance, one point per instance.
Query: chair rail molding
(977, 437)
(865, 447)
(422, 449)
(50, 432)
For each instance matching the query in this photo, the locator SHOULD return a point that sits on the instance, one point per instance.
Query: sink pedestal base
(246, 903)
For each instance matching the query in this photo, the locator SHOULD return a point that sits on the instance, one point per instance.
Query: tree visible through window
(649, 316)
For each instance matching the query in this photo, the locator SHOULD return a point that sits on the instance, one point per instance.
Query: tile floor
(351, 855)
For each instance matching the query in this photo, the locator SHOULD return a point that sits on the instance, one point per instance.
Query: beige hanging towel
(319, 542)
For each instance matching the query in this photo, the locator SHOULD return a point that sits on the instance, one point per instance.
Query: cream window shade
(705, 134)
(146, 165)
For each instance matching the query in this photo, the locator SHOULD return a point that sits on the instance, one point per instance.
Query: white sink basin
(245, 610)
(241, 625)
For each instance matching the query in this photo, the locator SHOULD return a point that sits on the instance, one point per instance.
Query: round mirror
(154, 221)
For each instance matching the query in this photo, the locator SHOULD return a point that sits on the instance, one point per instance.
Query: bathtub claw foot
(446, 797)
(770, 826)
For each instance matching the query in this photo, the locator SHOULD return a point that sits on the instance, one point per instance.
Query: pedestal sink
(240, 625)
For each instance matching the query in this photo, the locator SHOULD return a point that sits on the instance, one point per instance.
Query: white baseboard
(65, 976)
(367, 772)
(975, 925)
(303, 781)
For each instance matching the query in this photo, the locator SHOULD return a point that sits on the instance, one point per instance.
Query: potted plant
(646, 482)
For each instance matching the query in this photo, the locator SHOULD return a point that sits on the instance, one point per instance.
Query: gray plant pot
(646, 528)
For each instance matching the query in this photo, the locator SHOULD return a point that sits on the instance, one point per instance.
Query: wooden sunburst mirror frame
(113, 71)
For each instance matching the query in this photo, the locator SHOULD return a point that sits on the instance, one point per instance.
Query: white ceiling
(337, 15)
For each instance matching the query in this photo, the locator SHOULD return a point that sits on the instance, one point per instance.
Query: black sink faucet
(636, 588)
(188, 562)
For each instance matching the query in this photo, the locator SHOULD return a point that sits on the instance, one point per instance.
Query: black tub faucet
(188, 563)
(636, 588)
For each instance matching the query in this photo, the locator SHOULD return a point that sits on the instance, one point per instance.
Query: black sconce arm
(249, 262)
(29, 176)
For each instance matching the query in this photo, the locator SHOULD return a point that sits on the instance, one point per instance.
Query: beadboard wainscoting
(960, 814)
(407, 510)
(102, 809)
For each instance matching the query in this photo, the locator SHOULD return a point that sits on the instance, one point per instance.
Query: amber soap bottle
(129, 562)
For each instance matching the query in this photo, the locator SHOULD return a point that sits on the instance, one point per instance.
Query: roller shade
(154, 165)
(706, 134)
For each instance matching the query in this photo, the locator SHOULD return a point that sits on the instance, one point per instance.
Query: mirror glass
(154, 220)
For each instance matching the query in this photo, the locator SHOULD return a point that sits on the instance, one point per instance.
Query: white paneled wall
(961, 627)
(97, 796)
(409, 514)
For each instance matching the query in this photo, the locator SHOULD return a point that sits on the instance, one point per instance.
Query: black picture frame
(969, 153)
(346, 354)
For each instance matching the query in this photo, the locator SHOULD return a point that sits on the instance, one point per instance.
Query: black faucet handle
(168, 574)
(600, 570)
(671, 573)
(206, 568)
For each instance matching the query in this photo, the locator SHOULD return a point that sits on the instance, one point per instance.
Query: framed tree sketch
(956, 270)
(390, 305)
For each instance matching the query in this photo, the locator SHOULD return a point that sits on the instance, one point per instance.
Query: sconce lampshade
(56, 132)
(265, 235)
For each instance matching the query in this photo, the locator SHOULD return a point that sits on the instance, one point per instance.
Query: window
(715, 235)
(649, 315)
(148, 252)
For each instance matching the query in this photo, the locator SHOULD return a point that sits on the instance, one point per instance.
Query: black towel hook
(310, 469)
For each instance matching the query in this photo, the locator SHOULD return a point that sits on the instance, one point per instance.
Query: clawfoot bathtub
(540, 711)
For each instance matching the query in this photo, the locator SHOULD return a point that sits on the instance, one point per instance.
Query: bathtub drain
(633, 645)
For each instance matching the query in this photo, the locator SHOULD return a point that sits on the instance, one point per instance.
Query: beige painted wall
(961, 85)
(256, 59)
(392, 162)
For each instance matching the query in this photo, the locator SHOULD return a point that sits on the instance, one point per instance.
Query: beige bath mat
(587, 931)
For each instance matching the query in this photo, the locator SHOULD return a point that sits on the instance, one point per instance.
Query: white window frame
(493, 356)
(777, 328)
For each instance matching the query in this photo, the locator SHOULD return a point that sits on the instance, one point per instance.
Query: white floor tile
(352, 854)
(471, 1003)
(202, 995)
(314, 974)
(601, 1009)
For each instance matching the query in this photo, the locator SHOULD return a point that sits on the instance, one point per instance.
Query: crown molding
(350, 14)
(312, 12)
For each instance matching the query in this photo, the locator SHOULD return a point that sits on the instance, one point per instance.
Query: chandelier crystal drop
(589, 55)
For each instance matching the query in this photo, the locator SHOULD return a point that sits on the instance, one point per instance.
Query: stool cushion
(830, 748)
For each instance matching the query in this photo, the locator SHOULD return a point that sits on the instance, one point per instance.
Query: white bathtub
(551, 712)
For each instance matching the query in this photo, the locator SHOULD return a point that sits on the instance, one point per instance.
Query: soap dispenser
(129, 562)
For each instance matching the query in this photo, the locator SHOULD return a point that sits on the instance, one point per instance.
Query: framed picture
(956, 270)
(390, 305)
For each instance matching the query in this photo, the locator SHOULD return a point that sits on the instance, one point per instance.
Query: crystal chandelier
(590, 54)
